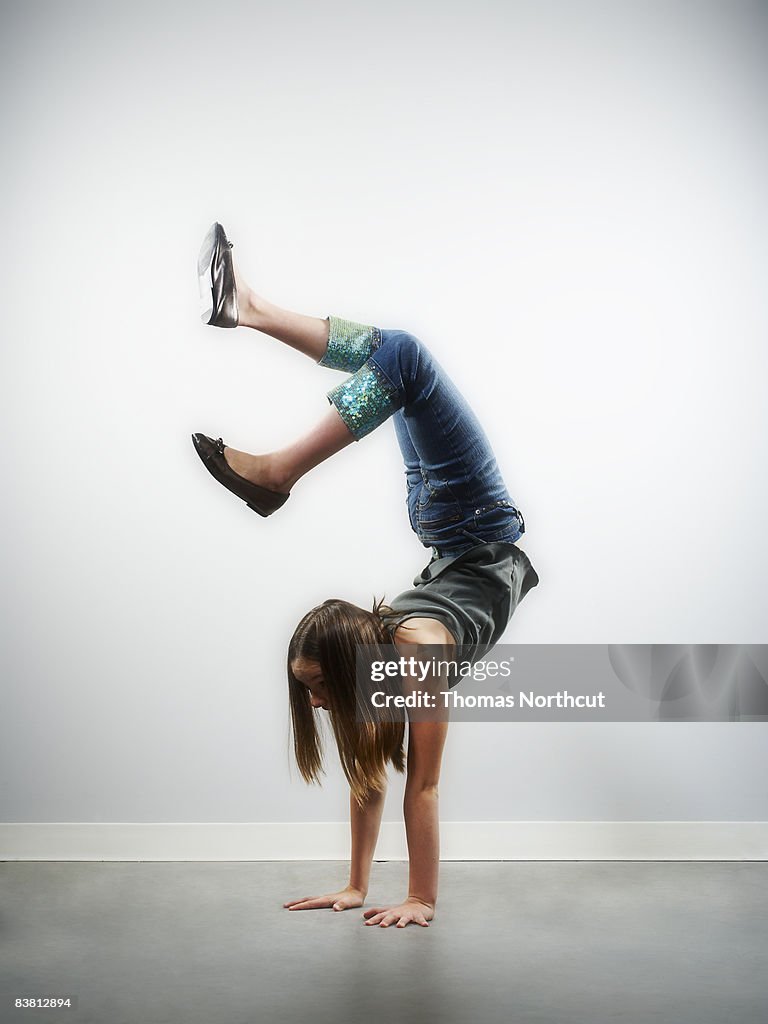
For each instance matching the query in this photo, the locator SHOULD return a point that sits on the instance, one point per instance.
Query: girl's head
(322, 662)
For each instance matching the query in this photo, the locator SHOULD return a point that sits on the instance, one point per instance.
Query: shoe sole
(204, 273)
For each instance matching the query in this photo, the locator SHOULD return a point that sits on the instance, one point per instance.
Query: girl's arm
(426, 740)
(364, 822)
(420, 809)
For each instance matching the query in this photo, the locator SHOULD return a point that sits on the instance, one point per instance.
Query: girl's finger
(311, 904)
(372, 910)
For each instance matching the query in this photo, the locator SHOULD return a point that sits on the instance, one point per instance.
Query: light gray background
(566, 201)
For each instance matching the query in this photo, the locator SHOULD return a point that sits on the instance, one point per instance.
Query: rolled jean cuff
(365, 400)
(349, 344)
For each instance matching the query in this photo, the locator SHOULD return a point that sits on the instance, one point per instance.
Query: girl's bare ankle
(248, 307)
(277, 475)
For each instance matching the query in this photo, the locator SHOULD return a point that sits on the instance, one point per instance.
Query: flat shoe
(217, 279)
(259, 499)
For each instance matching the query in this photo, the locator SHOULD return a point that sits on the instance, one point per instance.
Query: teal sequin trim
(364, 400)
(349, 344)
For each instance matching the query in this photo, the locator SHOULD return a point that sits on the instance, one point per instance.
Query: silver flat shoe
(216, 275)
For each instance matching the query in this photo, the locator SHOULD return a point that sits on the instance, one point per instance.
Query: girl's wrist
(418, 899)
(357, 888)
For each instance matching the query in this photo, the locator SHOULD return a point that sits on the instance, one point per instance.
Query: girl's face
(310, 674)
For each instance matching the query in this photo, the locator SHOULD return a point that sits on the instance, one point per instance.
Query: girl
(458, 506)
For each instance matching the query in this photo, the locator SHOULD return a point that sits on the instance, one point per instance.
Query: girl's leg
(332, 342)
(438, 511)
(462, 498)
(461, 491)
(281, 470)
(413, 477)
(307, 334)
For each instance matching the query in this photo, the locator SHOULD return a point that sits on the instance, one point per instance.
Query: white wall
(566, 201)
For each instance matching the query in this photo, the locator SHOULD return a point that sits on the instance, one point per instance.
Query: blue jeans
(455, 493)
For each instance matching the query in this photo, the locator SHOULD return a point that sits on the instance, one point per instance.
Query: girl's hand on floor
(345, 899)
(409, 912)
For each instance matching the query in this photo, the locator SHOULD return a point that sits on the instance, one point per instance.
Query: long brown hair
(330, 634)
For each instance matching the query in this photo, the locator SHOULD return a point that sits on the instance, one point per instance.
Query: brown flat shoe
(258, 498)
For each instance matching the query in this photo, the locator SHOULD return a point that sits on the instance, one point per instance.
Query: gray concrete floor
(528, 942)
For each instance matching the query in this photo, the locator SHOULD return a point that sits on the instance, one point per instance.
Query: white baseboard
(459, 840)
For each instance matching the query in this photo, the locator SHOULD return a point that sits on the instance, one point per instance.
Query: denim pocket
(437, 506)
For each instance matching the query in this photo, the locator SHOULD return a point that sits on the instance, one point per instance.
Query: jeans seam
(449, 440)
